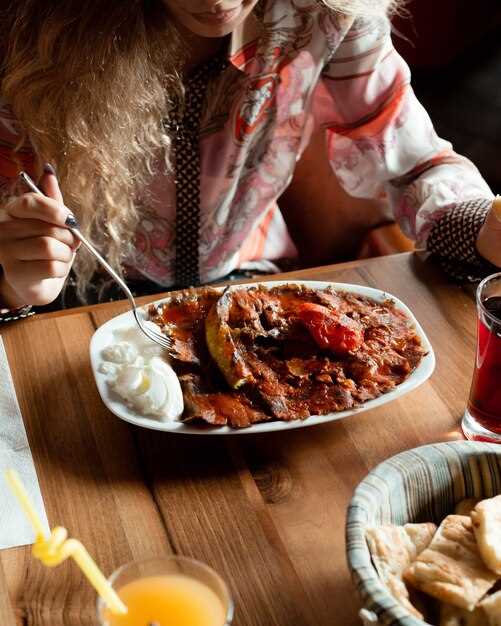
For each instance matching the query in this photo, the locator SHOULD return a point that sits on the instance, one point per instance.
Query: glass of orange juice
(169, 591)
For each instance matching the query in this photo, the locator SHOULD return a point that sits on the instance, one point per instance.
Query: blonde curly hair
(90, 82)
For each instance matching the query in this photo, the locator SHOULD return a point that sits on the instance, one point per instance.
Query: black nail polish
(48, 169)
(71, 221)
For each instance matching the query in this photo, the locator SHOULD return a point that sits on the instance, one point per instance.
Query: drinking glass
(482, 417)
(167, 590)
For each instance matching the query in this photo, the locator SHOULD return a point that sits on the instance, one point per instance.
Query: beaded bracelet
(11, 315)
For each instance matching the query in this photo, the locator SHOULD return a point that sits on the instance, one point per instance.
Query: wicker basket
(420, 485)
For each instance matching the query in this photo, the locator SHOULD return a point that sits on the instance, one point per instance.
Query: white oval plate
(104, 336)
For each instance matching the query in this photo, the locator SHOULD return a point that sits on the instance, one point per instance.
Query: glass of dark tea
(482, 418)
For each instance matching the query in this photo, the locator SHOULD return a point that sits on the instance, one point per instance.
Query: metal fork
(157, 337)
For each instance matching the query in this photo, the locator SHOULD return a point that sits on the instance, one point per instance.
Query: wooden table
(267, 511)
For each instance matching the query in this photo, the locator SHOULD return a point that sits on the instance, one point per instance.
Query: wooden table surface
(267, 511)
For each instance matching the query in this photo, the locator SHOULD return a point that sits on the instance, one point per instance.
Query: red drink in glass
(482, 419)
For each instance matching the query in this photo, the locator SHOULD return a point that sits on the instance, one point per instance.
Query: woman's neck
(200, 49)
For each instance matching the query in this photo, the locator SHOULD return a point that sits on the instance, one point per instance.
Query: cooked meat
(252, 354)
(218, 407)
(182, 318)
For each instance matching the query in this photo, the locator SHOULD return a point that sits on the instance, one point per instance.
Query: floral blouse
(294, 66)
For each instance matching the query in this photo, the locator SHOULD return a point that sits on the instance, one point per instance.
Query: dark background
(454, 50)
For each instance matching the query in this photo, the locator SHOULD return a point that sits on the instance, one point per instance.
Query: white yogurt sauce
(137, 372)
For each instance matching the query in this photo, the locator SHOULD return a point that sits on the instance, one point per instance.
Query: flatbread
(466, 506)
(491, 605)
(486, 519)
(452, 616)
(420, 535)
(451, 568)
(393, 548)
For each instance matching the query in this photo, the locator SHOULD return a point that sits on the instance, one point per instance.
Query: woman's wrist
(488, 243)
(9, 300)
(11, 307)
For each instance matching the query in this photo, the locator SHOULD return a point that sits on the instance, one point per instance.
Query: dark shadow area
(455, 59)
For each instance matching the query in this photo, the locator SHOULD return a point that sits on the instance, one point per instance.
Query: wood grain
(266, 511)
(87, 467)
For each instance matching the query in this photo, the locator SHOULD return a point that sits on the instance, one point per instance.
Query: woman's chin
(211, 31)
(217, 24)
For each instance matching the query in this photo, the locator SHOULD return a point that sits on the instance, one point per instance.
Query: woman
(175, 125)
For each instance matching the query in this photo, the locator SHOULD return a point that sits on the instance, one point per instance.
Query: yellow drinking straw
(57, 548)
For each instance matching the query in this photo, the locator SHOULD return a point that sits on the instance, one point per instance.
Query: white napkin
(15, 529)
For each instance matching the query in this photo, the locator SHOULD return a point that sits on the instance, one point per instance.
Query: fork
(157, 337)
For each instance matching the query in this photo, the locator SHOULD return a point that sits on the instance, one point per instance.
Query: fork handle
(75, 231)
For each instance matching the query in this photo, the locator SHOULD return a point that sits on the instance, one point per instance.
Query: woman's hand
(489, 237)
(36, 250)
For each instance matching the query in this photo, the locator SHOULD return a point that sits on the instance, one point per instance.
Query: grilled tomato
(330, 329)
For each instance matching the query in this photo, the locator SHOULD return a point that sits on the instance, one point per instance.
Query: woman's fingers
(36, 250)
(49, 184)
(19, 229)
(38, 207)
(40, 249)
(38, 271)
